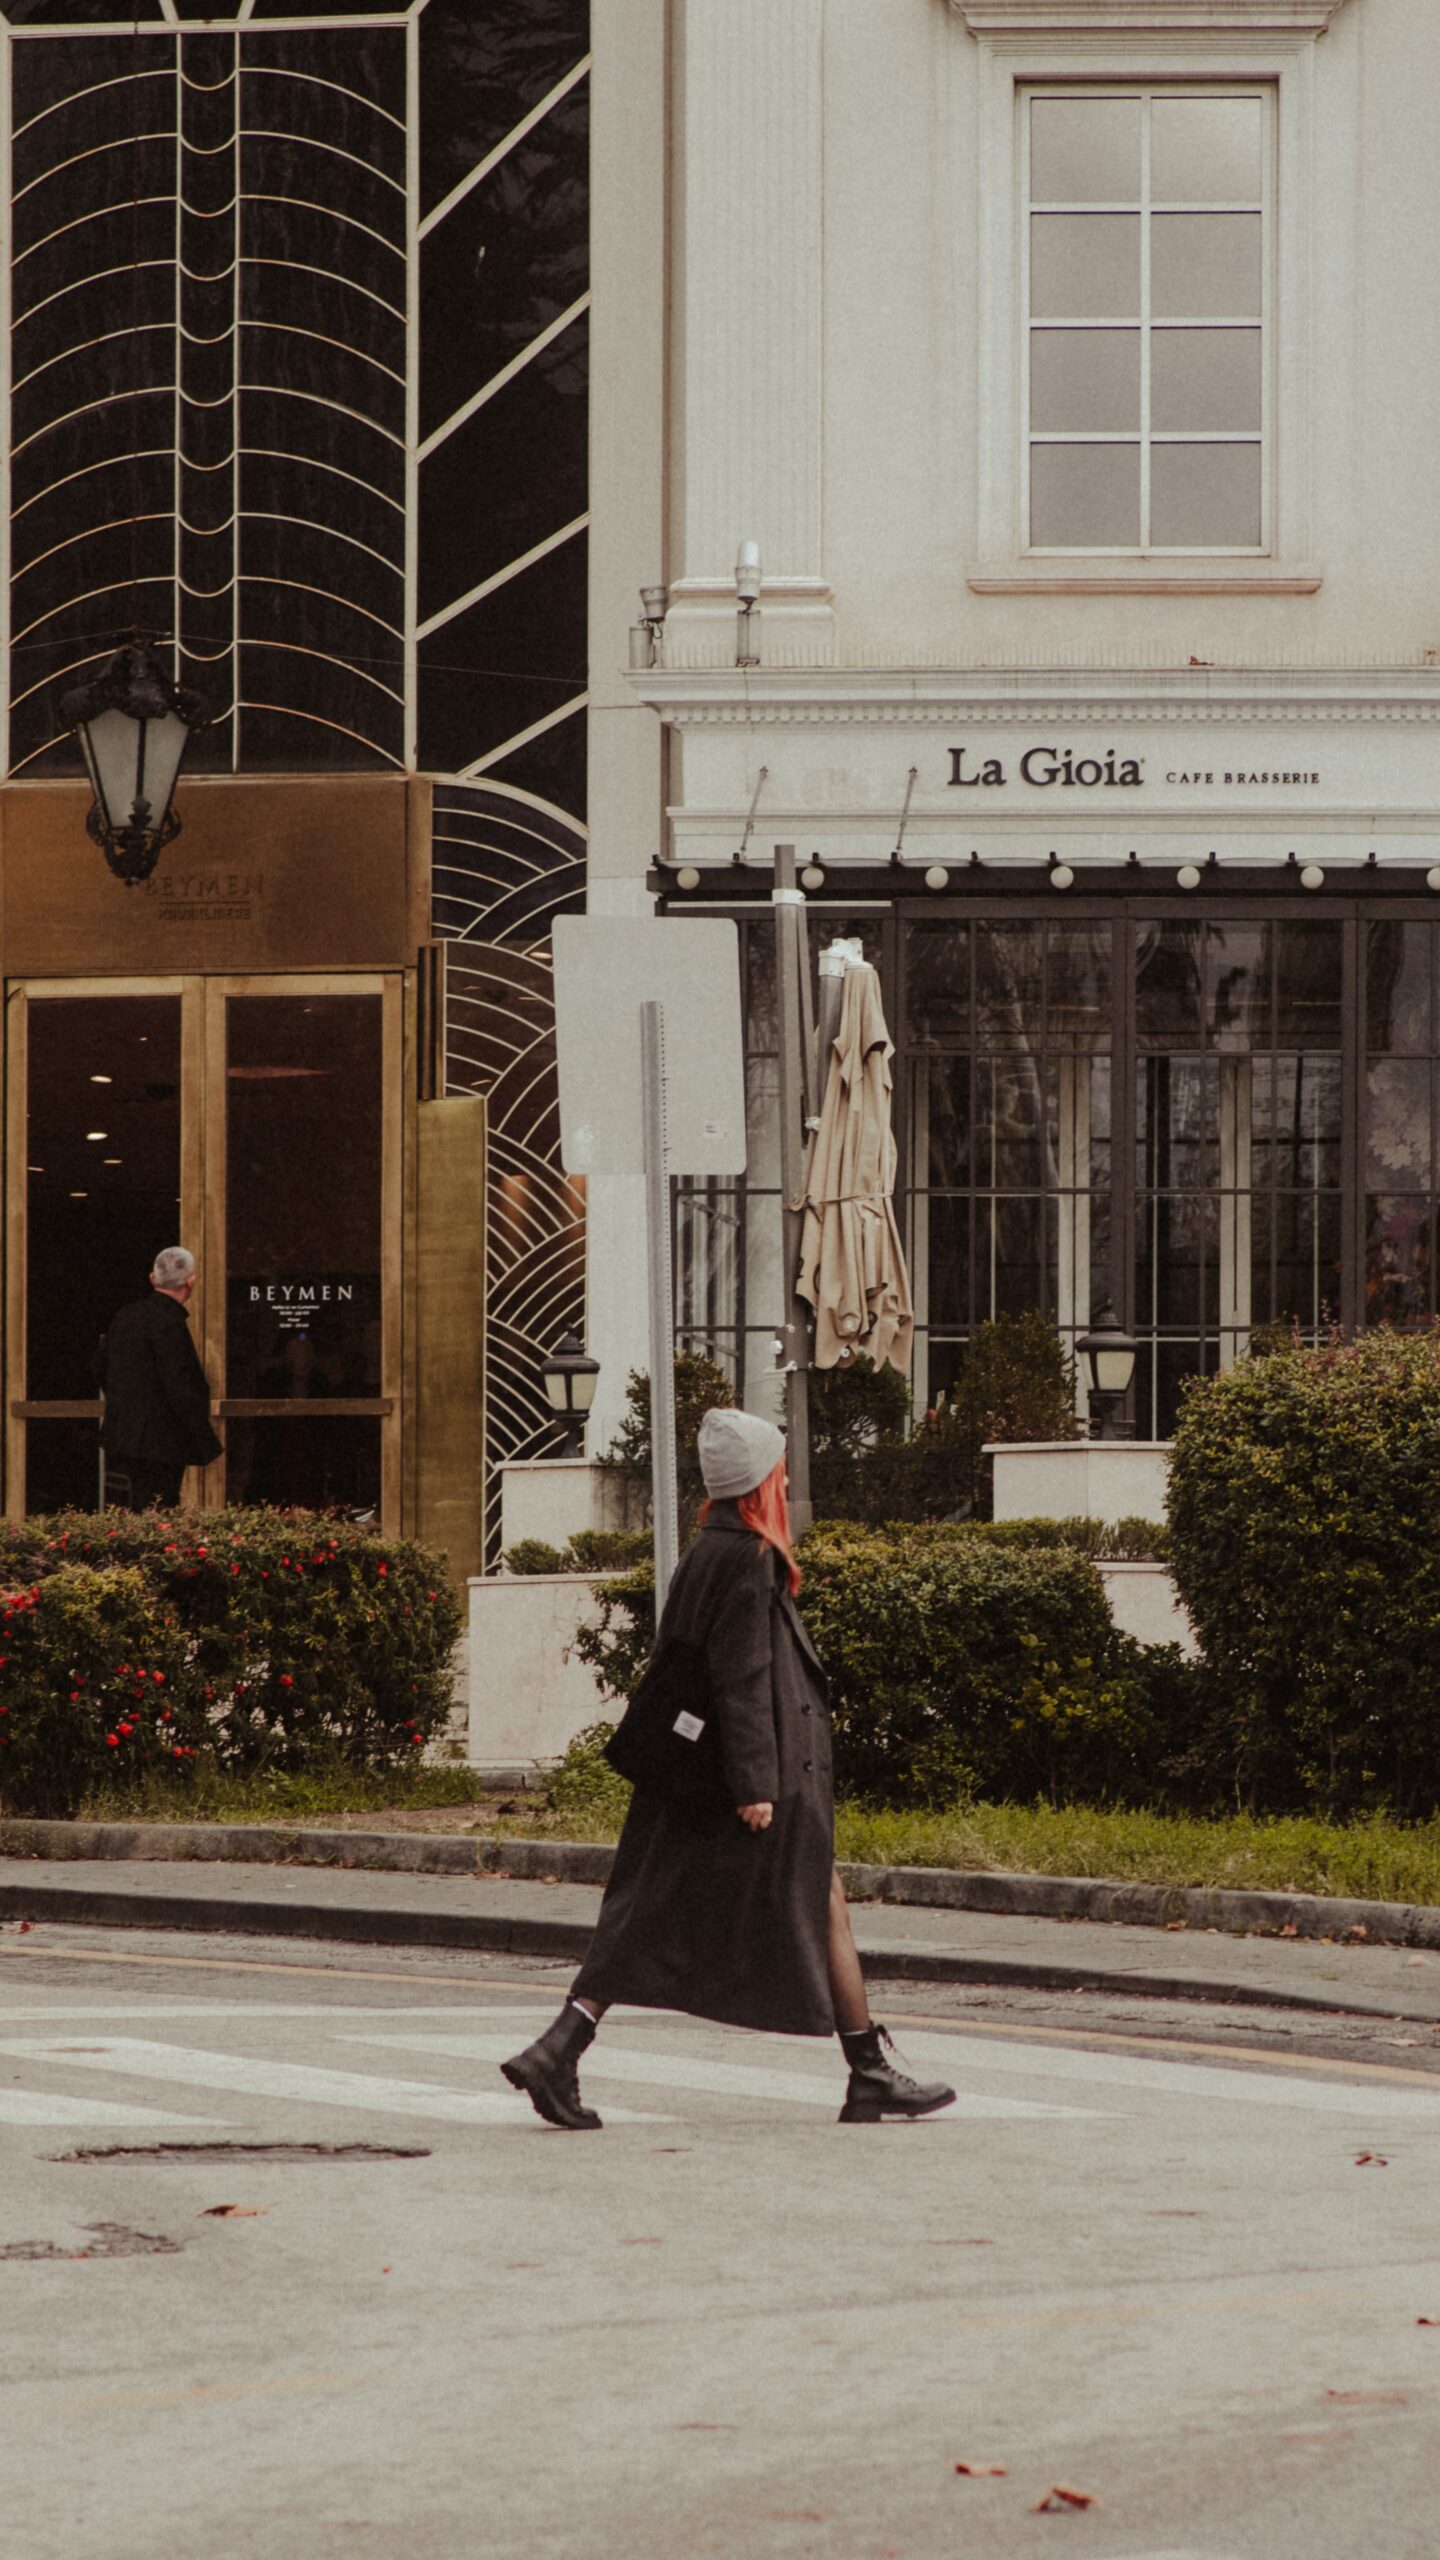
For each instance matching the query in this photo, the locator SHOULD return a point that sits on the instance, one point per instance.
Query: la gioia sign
(1043, 767)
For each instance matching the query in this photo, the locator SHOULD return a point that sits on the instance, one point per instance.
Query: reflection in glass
(1295, 1119)
(1398, 972)
(1086, 266)
(937, 960)
(1199, 379)
(1085, 496)
(1238, 1007)
(1084, 379)
(303, 1202)
(1205, 150)
(1203, 266)
(1399, 1259)
(1008, 965)
(1399, 1139)
(309, 1461)
(942, 1108)
(1169, 980)
(1308, 966)
(99, 1207)
(1205, 497)
(1085, 150)
(1078, 999)
(948, 1262)
(707, 1262)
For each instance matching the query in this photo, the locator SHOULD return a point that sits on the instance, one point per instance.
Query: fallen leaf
(24, 1928)
(1364, 2399)
(239, 2212)
(982, 2470)
(641, 2240)
(384, 2271)
(1371, 2160)
(1400, 2040)
(1425, 2322)
(1412, 1961)
(1357, 1929)
(1289, 1930)
(1058, 2498)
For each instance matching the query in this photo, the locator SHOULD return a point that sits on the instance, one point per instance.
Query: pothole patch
(209, 2154)
(107, 2240)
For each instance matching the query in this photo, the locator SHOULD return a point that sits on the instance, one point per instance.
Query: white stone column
(748, 319)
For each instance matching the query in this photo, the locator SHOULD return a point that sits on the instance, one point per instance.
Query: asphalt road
(1177, 2259)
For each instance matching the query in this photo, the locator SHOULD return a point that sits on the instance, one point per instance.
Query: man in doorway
(157, 1404)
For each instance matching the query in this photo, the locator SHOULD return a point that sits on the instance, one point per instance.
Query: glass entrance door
(257, 1121)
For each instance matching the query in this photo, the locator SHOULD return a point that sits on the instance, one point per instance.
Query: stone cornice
(803, 697)
(1147, 17)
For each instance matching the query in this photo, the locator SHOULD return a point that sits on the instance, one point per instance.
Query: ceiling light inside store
(112, 1159)
(79, 1195)
(102, 1079)
(97, 1133)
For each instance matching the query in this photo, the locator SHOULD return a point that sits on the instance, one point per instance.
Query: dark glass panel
(101, 1206)
(1399, 1259)
(1011, 1259)
(482, 70)
(1177, 1122)
(1169, 979)
(1399, 960)
(62, 1466)
(1399, 1139)
(937, 986)
(1009, 961)
(762, 1021)
(948, 1261)
(526, 450)
(1078, 988)
(510, 661)
(1238, 1005)
(1011, 1139)
(308, 1461)
(509, 259)
(1295, 1122)
(1307, 985)
(1174, 1364)
(1177, 1258)
(553, 766)
(946, 1088)
(1307, 1260)
(762, 1121)
(707, 1265)
(303, 1092)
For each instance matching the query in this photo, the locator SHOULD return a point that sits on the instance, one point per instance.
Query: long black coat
(732, 1924)
(157, 1405)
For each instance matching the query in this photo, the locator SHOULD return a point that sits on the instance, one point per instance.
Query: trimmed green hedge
(1305, 1528)
(281, 1637)
(962, 1661)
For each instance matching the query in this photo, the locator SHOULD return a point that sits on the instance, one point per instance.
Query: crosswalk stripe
(1106, 2072)
(139, 2059)
(608, 2061)
(39, 2106)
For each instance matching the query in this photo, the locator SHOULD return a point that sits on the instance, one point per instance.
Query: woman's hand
(756, 1817)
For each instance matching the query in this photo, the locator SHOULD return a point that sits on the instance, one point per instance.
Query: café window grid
(1147, 257)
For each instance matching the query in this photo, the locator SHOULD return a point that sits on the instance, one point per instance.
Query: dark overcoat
(157, 1405)
(731, 1924)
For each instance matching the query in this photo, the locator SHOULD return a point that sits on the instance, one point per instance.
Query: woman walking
(745, 1922)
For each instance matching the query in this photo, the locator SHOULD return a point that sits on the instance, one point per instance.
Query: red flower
(202, 1551)
(127, 1728)
(384, 1568)
(160, 1676)
(285, 1680)
(113, 1741)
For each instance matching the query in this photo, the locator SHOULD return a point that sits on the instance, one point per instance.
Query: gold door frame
(203, 1093)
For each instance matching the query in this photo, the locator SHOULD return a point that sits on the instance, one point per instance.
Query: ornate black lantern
(568, 1377)
(133, 724)
(1107, 1365)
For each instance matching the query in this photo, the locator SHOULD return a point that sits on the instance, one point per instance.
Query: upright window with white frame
(1147, 265)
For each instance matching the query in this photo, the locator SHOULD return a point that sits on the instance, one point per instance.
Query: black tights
(842, 1962)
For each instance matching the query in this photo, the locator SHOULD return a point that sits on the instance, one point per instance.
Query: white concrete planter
(1080, 1479)
(1144, 1603)
(530, 1693)
(551, 1498)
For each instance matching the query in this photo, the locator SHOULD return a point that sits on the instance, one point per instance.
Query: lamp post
(134, 724)
(1107, 1364)
(569, 1377)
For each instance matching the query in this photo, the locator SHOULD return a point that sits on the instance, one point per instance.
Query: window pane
(1399, 1251)
(1397, 1134)
(1078, 986)
(1239, 971)
(1205, 496)
(309, 1460)
(942, 1104)
(1200, 378)
(1085, 151)
(937, 959)
(1086, 266)
(1168, 980)
(1397, 986)
(1085, 495)
(1202, 265)
(1082, 379)
(1205, 151)
(1007, 983)
(949, 1262)
(1307, 985)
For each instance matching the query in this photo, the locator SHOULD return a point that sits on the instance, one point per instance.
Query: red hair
(767, 1512)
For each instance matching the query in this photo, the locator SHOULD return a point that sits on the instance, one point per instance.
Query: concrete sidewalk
(534, 1917)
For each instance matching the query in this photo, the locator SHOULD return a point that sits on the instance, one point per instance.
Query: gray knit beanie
(737, 1451)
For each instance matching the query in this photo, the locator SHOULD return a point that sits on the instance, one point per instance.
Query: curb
(1233, 1913)
(566, 1941)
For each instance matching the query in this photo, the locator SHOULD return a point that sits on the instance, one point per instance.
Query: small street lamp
(1107, 1364)
(569, 1377)
(134, 724)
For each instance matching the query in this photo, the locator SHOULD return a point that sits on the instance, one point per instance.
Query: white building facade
(1075, 366)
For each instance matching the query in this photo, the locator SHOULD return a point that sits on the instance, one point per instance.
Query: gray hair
(173, 1267)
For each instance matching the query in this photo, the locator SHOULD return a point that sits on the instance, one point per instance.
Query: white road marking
(1115, 2071)
(139, 2059)
(608, 2061)
(37, 2106)
(159, 2008)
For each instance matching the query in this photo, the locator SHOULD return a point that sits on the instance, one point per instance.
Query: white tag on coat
(690, 1726)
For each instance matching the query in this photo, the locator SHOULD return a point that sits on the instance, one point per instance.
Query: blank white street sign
(606, 968)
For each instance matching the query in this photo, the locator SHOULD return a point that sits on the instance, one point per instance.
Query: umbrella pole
(797, 1077)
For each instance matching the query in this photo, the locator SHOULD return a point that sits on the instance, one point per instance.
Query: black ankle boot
(878, 2088)
(547, 2071)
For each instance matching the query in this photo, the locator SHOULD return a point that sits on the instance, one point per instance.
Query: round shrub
(1305, 1531)
(93, 1683)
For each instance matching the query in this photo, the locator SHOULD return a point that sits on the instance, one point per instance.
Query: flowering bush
(299, 1637)
(93, 1678)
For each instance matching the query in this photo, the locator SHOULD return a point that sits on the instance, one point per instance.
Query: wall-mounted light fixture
(133, 723)
(747, 597)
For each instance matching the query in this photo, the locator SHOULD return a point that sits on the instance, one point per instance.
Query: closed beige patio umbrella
(852, 1268)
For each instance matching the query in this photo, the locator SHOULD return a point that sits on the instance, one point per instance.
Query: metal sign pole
(665, 1501)
(791, 973)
